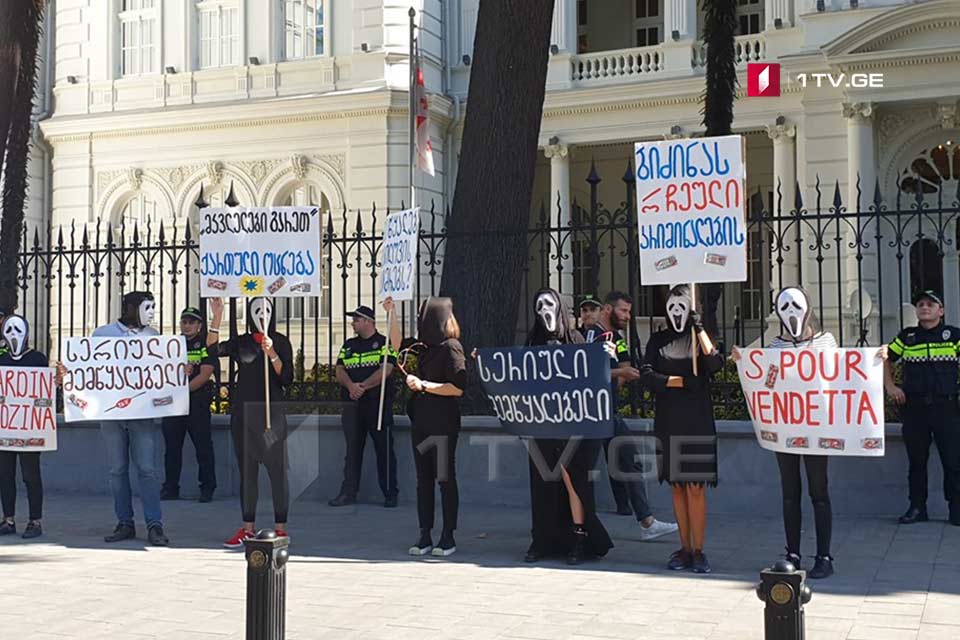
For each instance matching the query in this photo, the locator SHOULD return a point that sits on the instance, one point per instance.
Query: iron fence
(861, 265)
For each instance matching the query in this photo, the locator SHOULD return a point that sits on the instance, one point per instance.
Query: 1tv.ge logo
(763, 80)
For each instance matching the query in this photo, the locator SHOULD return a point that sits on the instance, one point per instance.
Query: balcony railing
(750, 48)
(617, 64)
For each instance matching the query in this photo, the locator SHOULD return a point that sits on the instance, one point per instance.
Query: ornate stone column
(559, 155)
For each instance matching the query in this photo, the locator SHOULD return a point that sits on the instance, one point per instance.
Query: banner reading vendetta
(549, 391)
(690, 219)
(28, 401)
(125, 378)
(815, 401)
(271, 251)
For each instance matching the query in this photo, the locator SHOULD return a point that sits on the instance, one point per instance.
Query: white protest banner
(125, 378)
(400, 238)
(28, 405)
(690, 198)
(269, 251)
(815, 401)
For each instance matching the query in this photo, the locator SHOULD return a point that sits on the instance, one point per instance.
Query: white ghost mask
(793, 309)
(146, 311)
(261, 312)
(678, 310)
(548, 310)
(16, 333)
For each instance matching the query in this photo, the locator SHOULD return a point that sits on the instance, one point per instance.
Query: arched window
(307, 195)
(933, 169)
(139, 212)
(926, 266)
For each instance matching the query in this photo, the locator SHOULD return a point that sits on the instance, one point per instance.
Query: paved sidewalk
(350, 577)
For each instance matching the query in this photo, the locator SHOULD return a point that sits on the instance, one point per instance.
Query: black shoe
(155, 536)
(578, 551)
(206, 496)
(624, 510)
(424, 545)
(342, 500)
(7, 528)
(954, 518)
(447, 545)
(914, 514)
(700, 564)
(680, 560)
(822, 568)
(792, 558)
(122, 532)
(532, 555)
(390, 502)
(166, 494)
(33, 530)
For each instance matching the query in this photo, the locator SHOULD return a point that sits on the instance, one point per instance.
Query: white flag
(424, 146)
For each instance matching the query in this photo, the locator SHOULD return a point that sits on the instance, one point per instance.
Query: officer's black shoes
(793, 558)
(342, 500)
(822, 568)
(156, 537)
(206, 496)
(122, 532)
(7, 528)
(914, 514)
(424, 545)
(532, 555)
(390, 502)
(167, 494)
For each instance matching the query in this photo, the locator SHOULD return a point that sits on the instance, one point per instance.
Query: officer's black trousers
(359, 421)
(923, 423)
(792, 486)
(175, 430)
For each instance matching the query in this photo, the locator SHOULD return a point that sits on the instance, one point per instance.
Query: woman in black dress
(683, 422)
(434, 412)
(254, 441)
(563, 511)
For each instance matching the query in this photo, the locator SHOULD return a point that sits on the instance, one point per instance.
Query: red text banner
(28, 405)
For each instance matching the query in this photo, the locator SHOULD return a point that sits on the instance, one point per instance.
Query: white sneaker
(656, 530)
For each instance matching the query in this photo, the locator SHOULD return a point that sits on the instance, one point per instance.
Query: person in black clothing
(929, 352)
(16, 336)
(359, 370)
(683, 421)
(563, 513)
(197, 423)
(259, 353)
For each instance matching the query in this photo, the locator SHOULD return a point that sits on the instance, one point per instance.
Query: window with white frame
(218, 33)
(138, 20)
(750, 16)
(648, 22)
(303, 29)
(308, 195)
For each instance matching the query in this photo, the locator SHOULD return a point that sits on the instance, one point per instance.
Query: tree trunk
(719, 32)
(486, 247)
(16, 113)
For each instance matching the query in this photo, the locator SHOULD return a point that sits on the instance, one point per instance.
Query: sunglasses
(404, 354)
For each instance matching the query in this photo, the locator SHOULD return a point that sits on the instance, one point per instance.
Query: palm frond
(719, 33)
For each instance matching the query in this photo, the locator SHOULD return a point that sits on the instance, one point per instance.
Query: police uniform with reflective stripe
(930, 360)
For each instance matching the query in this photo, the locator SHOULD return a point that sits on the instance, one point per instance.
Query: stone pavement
(350, 577)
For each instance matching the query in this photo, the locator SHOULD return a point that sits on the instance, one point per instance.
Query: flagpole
(413, 107)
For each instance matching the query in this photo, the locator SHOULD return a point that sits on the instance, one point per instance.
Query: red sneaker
(236, 541)
(282, 533)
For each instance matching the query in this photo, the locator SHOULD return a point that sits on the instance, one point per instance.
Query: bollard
(783, 590)
(266, 585)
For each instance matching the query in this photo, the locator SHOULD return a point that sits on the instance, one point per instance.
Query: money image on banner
(690, 204)
(125, 378)
(549, 391)
(28, 405)
(265, 251)
(400, 238)
(815, 401)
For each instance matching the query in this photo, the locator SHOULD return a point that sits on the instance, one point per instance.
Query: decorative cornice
(781, 131)
(858, 111)
(948, 23)
(556, 151)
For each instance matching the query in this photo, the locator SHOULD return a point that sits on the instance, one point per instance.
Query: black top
(593, 334)
(361, 358)
(249, 358)
(198, 355)
(29, 359)
(444, 362)
(930, 358)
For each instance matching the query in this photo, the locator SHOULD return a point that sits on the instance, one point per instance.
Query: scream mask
(16, 333)
(138, 309)
(547, 307)
(261, 314)
(679, 305)
(793, 309)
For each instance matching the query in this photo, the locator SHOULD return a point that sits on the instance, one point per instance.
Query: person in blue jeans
(134, 440)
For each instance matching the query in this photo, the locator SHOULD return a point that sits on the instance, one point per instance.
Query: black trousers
(175, 430)
(923, 423)
(269, 449)
(360, 421)
(434, 455)
(630, 493)
(30, 472)
(792, 486)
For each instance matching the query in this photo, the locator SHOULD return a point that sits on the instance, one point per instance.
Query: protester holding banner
(264, 360)
(795, 310)
(434, 412)
(138, 440)
(197, 422)
(929, 353)
(563, 514)
(683, 421)
(359, 372)
(15, 332)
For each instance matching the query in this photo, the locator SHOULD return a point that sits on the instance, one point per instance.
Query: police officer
(197, 423)
(929, 353)
(359, 367)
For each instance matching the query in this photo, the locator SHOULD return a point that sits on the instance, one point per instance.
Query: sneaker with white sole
(656, 530)
(446, 546)
(424, 545)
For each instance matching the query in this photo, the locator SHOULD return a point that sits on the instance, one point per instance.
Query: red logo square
(763, 80)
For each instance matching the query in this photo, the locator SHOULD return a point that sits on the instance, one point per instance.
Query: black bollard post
(783, 590)
(266, 585)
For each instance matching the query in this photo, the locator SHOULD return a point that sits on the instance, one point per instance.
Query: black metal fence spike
(877, 195)
(837, 200)
(798, 198)
(593, 177)
(201, 202)
(628, 174)
(231, 200)
(917, 190)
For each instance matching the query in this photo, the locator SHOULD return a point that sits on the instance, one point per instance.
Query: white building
(305, 101)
